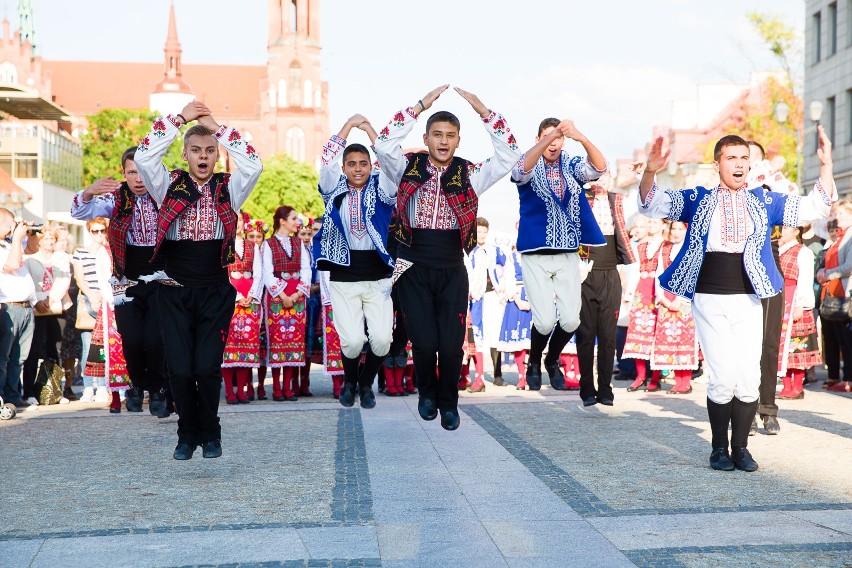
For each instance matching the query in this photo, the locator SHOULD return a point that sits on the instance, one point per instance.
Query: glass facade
(32, 151)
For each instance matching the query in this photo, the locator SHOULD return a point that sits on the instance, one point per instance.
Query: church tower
(294, 98)
(172, 93)
(26, 28)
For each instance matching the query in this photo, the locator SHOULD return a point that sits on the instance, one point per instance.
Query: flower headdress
(256, 225)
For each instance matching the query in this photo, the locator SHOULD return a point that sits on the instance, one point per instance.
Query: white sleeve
(305, 271)
(805, 283)
(816, 204)
(248, 163)
(489, 172)
(149, 156)
(330, 171)
(98, 206)
(256, 291)
(388, 145)
(657, 204)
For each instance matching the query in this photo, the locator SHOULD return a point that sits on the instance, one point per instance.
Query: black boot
(372, 363)
(538, 341)
(720, 417)
(350, 380)
(157, 404)
(496, 362)
(742, 415)
(133, 399)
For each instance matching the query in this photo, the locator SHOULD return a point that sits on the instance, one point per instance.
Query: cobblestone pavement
(530, 479)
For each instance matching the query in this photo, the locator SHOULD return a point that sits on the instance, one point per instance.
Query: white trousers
(730, 332)
(492, 319)
(353, 304)
(548, 277)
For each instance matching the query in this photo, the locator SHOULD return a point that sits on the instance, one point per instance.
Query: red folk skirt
(799, 347)
(675, 341)
(244, 337)
(643, 320)
(106, 354)
(285, 330)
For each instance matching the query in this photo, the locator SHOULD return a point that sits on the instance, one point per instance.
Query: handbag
(837, 309)
(86, 316)
(48, 385)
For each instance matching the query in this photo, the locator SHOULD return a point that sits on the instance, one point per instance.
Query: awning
(26, 104)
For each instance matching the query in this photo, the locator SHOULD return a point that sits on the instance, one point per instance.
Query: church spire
(172, 49)
(25, 23)
(172, 93)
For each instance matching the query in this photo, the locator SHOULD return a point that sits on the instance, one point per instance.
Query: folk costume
(601, 298)
(675, 345)
(196, 229)
(242, 350)
(352, 246)
(555, 221)
(641, 328)
(799, 346)
(725, 268)
(436, 212)
(286, 269)
(488, 301)
(516, 326)
(132, 236)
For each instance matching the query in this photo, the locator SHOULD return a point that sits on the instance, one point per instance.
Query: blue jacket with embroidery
(696, 207)
(331, 244)
(550, 223)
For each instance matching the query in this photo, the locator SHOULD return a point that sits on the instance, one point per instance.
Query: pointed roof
(172, 81)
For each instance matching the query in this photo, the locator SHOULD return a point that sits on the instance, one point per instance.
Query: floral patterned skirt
(675, 341)
(643, 322)
(243, 346)
(285, 333)
(106, 355)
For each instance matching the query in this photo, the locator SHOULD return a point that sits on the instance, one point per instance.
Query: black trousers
(843, 338)
(138, 322)
(194, 324)
(773, 313)
(46, 336)
(601, 300)
(831, 349)
(434, 308)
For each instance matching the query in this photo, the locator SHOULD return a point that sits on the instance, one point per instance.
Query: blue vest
(330, 243)
(696, 207)
(550, 223)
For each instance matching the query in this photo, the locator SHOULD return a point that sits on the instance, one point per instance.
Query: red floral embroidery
(385, 132)
(234, 136)
(159, 128)
(250, 151)
(398, 119)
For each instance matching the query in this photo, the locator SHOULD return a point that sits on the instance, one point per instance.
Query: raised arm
(523, 170)
(388, 142)
(506, 155)
(15, 260)
(332, 155)
(795, 211)
(243, 154)
(97, 200)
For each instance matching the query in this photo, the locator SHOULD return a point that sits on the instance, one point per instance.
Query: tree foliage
(757, 122)
(780, 38)
(284, 181)
(110, 133)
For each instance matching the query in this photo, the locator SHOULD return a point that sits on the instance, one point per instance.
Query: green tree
(781, 39)
(284, 181)
(110, 133)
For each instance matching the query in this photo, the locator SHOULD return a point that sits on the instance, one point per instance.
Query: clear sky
(611, 66)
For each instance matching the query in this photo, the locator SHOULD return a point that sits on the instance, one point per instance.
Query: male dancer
(352, 246)
(196, 228)
(436, 206)
(132, 235)
(601, 294)
(555, 220)
(726, 268)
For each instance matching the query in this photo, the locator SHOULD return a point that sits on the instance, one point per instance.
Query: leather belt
(20, 304)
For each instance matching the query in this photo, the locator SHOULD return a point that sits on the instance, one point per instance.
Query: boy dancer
(132, 235)
(555, 220)
(352, 246)
(196, 228)
(725, 268)
(436, 206)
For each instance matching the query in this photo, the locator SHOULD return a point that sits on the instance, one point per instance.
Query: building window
(282, 93)
(8, 73)
(832, 29)
(26, 166)
(309, 92)
(294, 143)
(294, 14)
(849, 116)
(295, 78)
(829, 116)
(817, 27)
(849, 23)
(272, 99)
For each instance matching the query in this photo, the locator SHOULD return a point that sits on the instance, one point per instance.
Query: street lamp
(782, 113)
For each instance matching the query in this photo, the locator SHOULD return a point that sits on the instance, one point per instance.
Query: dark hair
(724, 142)
(547, 123)
(482, 222)
(443, 116)
(129, 154)
(280, 214)
(757, 145)
(196, 130)
(355, 149)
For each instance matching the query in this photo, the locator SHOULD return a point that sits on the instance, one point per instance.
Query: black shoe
(114, 410)
(534, 377)
(69, 394)
(307, 394)
(557, 377)
(498, 382)
(22, 404)
(368, 399)
(133, 399)
(211, 449)
(428, 408)
(770, 424)
(450, 419)
(347, 395)
(291, 398)
(605, 401)
(720, 460)
(590, 401)
(742, 459)
(157, 404)
(753, 430)
(184, 451)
